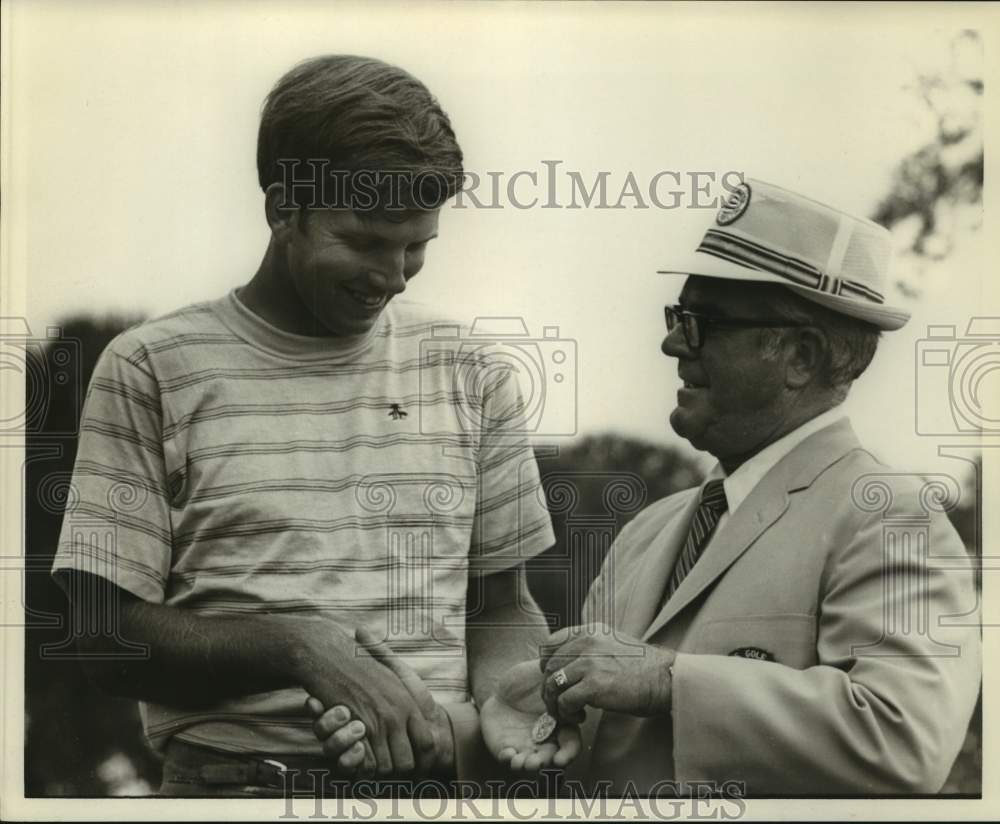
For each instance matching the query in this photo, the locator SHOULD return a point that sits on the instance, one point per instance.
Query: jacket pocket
(788, 639)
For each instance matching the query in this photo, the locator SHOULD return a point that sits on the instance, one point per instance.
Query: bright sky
(132, 179)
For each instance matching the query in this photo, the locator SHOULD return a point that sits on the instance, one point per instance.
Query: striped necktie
(710, 509)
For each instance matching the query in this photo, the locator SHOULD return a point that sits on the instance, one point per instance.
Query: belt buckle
(273, 777)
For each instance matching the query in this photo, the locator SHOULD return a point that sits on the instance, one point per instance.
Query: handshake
(382, 721)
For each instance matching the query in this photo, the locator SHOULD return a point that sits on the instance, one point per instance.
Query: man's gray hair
(851, 343)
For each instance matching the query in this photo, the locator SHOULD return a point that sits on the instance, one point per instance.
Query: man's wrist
(300, 652)
(296, 653)
(473, 760)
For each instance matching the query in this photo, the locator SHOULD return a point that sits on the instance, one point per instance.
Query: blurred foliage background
(81, 742)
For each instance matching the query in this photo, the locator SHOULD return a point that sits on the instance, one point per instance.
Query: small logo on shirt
(756, 653)
(396, 412)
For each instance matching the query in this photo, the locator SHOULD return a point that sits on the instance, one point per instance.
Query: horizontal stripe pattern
(744, 252)
(278, 410)
(301, 372)
(232, 478)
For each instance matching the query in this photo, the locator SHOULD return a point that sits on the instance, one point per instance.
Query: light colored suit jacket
(827, 640)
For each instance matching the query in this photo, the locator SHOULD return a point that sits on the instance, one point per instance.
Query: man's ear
(282, 213)
(808, 354)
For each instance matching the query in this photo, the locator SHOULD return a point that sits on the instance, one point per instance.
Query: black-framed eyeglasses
(694, 324)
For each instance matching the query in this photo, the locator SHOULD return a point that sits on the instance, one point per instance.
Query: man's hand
(345, 740)
(337, 671)
(507, 719)
(606, 670)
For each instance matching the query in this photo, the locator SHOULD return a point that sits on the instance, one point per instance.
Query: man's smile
(690, 383)
(366, 300)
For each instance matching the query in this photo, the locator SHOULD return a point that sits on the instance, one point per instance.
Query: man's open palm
(508, 717)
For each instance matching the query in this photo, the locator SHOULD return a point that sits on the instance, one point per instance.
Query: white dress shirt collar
(743, 480)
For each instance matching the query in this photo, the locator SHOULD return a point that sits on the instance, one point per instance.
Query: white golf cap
(765, 233)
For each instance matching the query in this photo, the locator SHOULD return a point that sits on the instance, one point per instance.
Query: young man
(299, 474)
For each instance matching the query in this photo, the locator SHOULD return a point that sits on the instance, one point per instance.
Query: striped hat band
(735, 249)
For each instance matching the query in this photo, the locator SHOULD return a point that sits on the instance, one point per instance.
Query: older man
(297, 476)
(763, 628)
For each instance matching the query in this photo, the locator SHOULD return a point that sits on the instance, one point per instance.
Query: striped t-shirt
(228, 467)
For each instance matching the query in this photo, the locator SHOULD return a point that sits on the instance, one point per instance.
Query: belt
(190, 763)
(267, 772)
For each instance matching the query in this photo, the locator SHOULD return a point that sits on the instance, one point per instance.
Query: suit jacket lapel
(754, 516)
(646, 595)
(763, 507)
